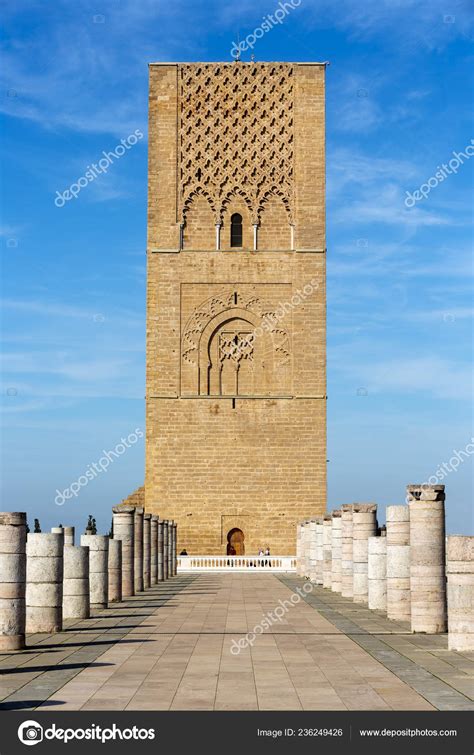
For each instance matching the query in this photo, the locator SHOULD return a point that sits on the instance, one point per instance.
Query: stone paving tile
(171, 649)
(41, 670)
(444, 678)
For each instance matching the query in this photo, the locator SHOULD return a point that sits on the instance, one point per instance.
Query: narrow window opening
(233, 403)
(236, 230)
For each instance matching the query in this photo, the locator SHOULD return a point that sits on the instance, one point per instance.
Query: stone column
(165, 549)
(327, 554)
(460, 568)
(336, 547)
(398, 563)
(124, 517)
(98, 569)
(170, 547)
(175, 549)
(377, 573)
(319, 551)
(304, 548)
(312, 550)
(146, 551)
(115, 570)
(12, 580)
(57, 531)
(138, 549)
(44, 582)
(161, 527)
(69, 535)
(307, 549)
(364, 525)
(347, 571)
(154, 550)
(299, 549)
(76, 600)
(427, 558)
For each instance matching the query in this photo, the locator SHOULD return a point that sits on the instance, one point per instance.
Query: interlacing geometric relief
(235, 346)
(236, 136)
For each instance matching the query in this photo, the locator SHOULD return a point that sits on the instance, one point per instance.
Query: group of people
(265, 552)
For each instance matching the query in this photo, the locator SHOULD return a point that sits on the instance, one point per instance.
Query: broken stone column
(364, 525)
(319, 551)
(174, 554)
(161, 528)
(347, 573)
(336, 546)
(139, 549)
(304, 547)
(44, 582)
(398, 563)
(460, 569)
(146, 551)
(123, 528)
(12, 580)
(427, 558)
(377, 573)
(170, 548)
(115, 570)
(154, 550)
(327, 552)
(308, 535)
(299, 549)
(165, 549)
(312, 550)
(76, 596)
(69, 535)
(98, 569)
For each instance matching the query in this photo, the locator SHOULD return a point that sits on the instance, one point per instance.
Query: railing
(248, 564)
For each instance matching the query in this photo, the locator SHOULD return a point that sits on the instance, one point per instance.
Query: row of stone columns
(45, 577)
(402, 569)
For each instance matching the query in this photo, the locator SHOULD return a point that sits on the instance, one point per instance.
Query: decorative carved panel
(234, 344)
(236, 134)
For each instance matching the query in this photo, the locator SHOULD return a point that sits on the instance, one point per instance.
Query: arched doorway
(235, 542)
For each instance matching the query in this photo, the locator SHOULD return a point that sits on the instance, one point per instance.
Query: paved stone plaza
(169, 649)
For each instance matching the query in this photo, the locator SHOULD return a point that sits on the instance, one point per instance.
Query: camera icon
(30, 733)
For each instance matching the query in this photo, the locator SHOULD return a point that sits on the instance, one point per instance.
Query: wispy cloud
(427, 375)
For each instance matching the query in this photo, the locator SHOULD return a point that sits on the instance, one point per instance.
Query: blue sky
(399, 88)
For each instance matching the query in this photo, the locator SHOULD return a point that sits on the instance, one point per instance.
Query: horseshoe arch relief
(234, 344)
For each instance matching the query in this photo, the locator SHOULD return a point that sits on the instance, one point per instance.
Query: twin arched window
(236, 230)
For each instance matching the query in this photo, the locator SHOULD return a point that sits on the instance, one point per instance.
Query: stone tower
(236, 359)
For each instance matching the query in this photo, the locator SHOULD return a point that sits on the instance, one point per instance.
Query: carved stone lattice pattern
(235, 346)
(227, 300)
(236, 135)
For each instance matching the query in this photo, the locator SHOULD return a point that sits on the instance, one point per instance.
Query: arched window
(236, 230)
